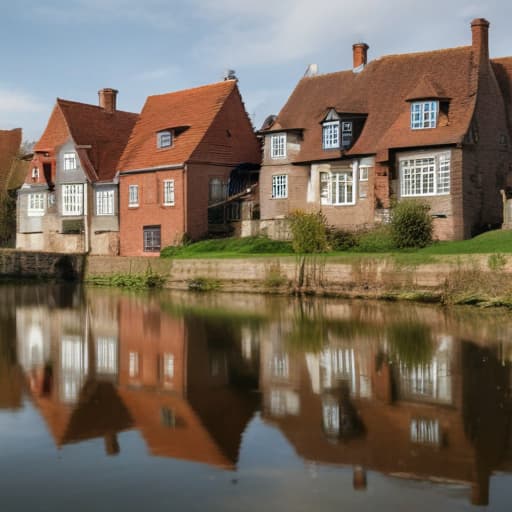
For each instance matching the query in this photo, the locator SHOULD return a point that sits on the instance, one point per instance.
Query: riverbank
(484, 280)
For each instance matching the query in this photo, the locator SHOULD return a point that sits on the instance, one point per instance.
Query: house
(435, 126)
(68, 202)
(178, 161)
(13, 168)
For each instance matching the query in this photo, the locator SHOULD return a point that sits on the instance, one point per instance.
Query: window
(169, 192)
(331, 135)
(346, 134)
(35, 173)
(278, 146)
(280, 366)
(164, 139)
(424, 114)
(280, 186)
(133, 364)
(36, 204)
(364, 171)
(425, 431)
(168, 366)
(106, 355)
(331, 417)
(151, 238)
(104, 202)
(72, 199)
(133, 196)
(69, 161)
(217, 190)
(425, 176)
(337, 187)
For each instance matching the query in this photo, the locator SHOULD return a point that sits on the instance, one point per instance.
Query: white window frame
(133, 196)
(164, 139)
(169, 193)
(425, 175)
(73, 199)
(104, 202)
(278, 146)
(133, 364)
(70, 161)
(35, 173)
(364, 172)
(168, 365)
(336, 178)
(280, 186)
(36, 204)
(424, 114)
(331, 135)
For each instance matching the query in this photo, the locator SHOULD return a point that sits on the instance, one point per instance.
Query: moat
(222, 402)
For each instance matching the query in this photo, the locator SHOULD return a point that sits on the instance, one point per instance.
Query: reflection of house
(176, 383)
(70, 365)
(441, 418)
(69, 200)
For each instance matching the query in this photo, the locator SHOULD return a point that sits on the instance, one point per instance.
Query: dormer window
(331, 135)
(69, 161)
(164, 139)
(424, 114)
(35, 173)
(278, 146)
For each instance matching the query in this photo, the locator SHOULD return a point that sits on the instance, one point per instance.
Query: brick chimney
(480, 39)
(360, 55)
(108, 99)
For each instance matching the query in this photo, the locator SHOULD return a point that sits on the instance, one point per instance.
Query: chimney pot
(480, 39)
(360, 55)
(108, 99)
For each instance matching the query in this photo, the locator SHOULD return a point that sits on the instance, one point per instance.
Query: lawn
(491, 242)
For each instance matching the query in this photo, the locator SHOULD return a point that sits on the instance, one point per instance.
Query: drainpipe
(185, 199)
(86, 218)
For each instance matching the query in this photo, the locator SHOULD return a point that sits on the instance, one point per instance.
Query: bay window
(36, 203)
(425, 176)
(72, 199)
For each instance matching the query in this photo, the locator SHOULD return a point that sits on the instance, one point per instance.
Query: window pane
(72, 199)
(280, 186)
(151, 238)
(278, 146)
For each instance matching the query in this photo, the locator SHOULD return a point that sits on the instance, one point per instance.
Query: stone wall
(31, 264)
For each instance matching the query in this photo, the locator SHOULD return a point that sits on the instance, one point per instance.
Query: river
(126, 401)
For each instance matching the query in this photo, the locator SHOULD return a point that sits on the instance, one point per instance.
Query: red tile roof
(10, 142)
(190, 111)
(503, 70)
(89, 125)
(381, 91)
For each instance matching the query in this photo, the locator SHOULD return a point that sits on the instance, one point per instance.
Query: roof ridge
(82, 104)
(426, 52)
(205, 86)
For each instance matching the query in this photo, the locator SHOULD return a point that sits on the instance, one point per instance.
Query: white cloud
(13, 102)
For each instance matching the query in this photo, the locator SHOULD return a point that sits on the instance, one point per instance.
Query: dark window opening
(151, 238)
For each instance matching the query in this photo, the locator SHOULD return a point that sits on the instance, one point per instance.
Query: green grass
(229, 248)
(374, 246)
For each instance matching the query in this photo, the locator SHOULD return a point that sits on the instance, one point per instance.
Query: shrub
(309, 232)
(341, 240)
(377, 239)
(411, 224)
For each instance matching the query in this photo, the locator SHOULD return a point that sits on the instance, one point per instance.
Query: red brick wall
(151, 211)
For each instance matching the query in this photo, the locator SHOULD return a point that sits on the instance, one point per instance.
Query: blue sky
(72, 48)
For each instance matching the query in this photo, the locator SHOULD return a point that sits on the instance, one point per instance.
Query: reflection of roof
(10, 141)
(11, 386)
(98, 413)
(101, 134)
(214, 440)
(380, 91)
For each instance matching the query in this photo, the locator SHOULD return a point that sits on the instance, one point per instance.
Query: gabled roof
(100, 136)
(381, 91)
(10, 142)
(503, 70)
(191, 110)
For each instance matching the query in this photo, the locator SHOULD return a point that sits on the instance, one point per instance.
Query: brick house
(178, 160)
(434, 125)
(68, 202)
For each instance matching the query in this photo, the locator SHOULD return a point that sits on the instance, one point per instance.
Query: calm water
(116, 401)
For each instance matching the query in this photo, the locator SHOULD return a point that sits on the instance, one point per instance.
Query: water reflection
(415, 393)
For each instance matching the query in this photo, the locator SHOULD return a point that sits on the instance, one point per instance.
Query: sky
(72, 48)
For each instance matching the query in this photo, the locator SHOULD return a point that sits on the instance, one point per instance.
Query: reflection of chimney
(480, 39)
(480, 491)
(359, 480)
(111, 444)
(108, 99)
(360, 55)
